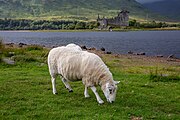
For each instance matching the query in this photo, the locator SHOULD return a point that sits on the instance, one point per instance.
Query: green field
(149, 89)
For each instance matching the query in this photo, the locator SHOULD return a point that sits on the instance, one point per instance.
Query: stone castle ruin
(121, 20)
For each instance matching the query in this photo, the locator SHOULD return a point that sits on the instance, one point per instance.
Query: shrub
(80, 25)
(34, 47)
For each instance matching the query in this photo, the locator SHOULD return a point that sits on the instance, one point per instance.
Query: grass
(156, 77)
(1, 49)
(26, 92)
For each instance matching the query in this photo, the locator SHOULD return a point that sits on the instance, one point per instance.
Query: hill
(82, 9)
(169, 8)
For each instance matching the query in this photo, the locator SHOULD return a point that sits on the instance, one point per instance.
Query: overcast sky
(146, 1)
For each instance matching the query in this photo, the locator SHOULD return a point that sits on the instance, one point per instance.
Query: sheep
(73, 64)
(72, 45)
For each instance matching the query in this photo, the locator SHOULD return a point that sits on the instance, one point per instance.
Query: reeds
(156, 76)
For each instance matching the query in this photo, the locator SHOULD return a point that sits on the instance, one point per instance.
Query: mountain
(147, 1)
(169, 8)
(85, 9)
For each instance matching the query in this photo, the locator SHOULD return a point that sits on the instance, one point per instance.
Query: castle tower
(122, 19)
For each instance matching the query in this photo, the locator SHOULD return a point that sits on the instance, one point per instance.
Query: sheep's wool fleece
(74, 64)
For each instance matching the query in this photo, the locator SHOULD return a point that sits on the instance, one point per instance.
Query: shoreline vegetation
(98, 30)
(73, 25)
(149, 87)
(170, 57)
(5, 50)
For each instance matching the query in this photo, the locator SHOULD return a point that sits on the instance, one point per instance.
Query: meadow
(149, 89)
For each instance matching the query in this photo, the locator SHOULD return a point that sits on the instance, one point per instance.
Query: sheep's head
(109, 90)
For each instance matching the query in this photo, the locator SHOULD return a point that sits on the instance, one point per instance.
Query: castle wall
(121, 20)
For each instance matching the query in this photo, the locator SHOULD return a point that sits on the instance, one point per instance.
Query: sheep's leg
(86, 92)
(100, 101)
(53, 80)
(67, 84)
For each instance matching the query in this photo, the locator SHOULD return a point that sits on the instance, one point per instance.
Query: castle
(121, 20)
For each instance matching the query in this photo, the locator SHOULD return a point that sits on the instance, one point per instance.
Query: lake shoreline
(97, 30)
(101, 52)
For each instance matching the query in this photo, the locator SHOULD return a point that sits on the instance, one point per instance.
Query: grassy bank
(106, 30)
(26, 92)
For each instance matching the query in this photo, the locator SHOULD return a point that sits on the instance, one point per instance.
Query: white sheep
(73, 64)
(74, 46)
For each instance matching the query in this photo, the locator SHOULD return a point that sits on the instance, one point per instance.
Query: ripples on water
(150, 42)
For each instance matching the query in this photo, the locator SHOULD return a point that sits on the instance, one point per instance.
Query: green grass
(26, 92)
(157, 77)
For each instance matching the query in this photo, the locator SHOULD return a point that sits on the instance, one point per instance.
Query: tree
(71, 26)
(80, 25)
(132, 23)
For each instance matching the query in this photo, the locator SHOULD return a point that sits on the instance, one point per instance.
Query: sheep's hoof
(70, 91)
(101, 102)
(87, 96)
(55, 93)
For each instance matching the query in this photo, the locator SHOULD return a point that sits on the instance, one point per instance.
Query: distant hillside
(83, 9)
(169, 8)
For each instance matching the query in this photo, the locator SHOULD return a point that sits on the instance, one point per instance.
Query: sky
(147, 1)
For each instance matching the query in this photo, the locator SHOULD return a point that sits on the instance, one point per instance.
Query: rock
(172, 56)
(135, 53)
(102, 49)
(10, 44)
(141, 53)
(130, 52)
(159, 56)
(22, 44)
(84, 47)
(8, 61)
(92, 48)
(108, 53)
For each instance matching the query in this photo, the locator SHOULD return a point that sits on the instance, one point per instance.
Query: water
(150, 42)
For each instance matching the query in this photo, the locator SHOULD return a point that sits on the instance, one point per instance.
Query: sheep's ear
(116, 82)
